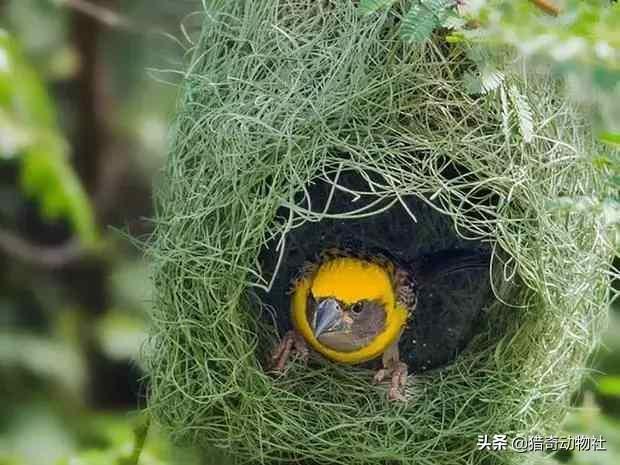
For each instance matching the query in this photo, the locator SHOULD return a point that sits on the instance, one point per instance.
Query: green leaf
(140, 431)
(486, 80)
(120, 334)
(423, 18)
(611, 138)
(453, 21)
(609, 385)
(47, 176)
(370, 6)
(419, 24)
(455, 38)
(490, 79)
(28, 117)
(523, 112)
(607, 160)
(13, 137)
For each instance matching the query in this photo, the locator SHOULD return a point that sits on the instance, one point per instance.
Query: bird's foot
(290, 343)
(398, 380)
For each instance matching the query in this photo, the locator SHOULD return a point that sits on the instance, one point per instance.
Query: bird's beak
(328, 316)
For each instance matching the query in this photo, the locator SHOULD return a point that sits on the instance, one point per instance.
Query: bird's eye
(356, 308)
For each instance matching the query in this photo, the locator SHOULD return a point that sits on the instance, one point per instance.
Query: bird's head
(346, 327)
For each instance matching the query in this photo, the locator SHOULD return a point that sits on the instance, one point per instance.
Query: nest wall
(279, 93)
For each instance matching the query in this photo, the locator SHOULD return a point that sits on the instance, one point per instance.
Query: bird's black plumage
(450, 274)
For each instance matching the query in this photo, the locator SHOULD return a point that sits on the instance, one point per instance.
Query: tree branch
(100, 13)
(39, 255)
(547, 6)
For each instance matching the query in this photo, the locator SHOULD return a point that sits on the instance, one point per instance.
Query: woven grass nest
(281, 96)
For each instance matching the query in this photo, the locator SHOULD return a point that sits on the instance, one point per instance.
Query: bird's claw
(398, 380)
(291, 342)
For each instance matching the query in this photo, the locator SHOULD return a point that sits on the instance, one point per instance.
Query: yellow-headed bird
(352, 308)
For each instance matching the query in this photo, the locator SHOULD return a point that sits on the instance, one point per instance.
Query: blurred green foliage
(29, 132)
(60, 347)
(581, 44)
(579, 38)
(51, 342)
(589, 421)
(599, 411)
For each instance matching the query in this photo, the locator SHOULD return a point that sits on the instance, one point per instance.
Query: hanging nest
(281, 96)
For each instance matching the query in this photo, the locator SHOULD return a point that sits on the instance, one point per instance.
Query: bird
(352, 306)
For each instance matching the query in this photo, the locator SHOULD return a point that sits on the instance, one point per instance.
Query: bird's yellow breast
(349, 280)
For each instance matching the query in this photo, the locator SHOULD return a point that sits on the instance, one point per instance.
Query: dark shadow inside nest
(449, 309)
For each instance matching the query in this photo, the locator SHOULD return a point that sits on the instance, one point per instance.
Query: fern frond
(453, 21)
(487, 80)
(423, 18)
(490, 79)
(523, 113)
